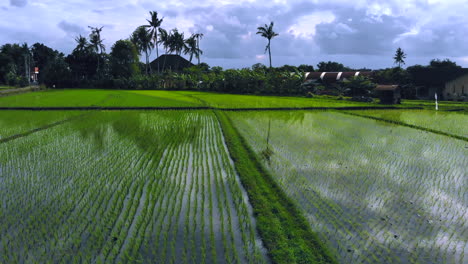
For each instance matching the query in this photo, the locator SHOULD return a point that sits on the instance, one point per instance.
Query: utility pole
(27, 67)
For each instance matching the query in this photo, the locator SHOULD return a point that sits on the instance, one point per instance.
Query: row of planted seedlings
(192, 220)
(124, 187)
(91, 200)
(367, 217)
(75, 185)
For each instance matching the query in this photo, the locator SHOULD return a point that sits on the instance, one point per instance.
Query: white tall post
(437, 105)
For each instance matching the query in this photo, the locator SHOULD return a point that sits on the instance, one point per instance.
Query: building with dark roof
(333, 77)
(172, 62)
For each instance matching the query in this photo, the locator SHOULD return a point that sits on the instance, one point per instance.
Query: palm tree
(142, 40)
(163, 38)
(96, 42)
(268, 33)
(154, 24)
(400, 57)
(82, 44)
(176, 41)
(191, 47)
(198, 36)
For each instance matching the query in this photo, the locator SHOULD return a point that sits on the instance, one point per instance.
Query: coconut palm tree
(164, 39)
(176, 41)
(154, 24)
(198, 36)
(96, 42)
(142, 40)
(82, 44)
(400, 57)
(191, 47)
(268, 33)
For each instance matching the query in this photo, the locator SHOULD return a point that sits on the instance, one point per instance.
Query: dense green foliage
(377, 192)
(283, 229)
(124, 59)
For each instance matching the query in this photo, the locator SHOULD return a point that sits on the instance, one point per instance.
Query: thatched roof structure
(170, 62)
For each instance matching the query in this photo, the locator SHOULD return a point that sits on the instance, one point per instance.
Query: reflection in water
(139, 127)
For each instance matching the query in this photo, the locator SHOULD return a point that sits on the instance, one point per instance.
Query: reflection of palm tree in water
(267, 152)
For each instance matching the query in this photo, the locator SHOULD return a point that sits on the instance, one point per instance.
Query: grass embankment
(284, 230)
(430, 104)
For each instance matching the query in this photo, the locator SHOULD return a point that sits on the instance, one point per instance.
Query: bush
(22, 81)
(10, 79)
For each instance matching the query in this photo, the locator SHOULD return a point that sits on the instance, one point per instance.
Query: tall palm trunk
(164, 61)
(148, 63)
(97, 70)
(146, 59)
(157, 51)
(269, 51)
(198, 47)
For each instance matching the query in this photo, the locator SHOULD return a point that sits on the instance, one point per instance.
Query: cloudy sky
(357, 33)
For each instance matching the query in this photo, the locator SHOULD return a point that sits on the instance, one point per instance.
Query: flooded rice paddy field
(124, 187)
(160, 186)
(376, 192)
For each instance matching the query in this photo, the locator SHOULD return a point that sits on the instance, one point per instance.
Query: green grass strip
(408, 125)
(284, 230)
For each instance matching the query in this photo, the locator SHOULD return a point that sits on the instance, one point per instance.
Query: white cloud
(304, 27)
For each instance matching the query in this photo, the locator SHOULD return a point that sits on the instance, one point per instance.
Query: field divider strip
(281, 225)
(38, 129)
(409, 125)
(85, 108)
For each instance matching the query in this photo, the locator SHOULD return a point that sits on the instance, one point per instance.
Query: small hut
(389, 94)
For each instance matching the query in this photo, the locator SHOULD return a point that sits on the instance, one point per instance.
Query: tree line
(89, 66)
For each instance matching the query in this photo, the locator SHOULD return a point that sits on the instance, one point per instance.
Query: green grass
(220, 100)
(84, 98)
(284, 231)
(377, 192)
(161, 98)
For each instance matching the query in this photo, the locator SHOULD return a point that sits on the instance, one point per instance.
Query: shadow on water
(148, 131)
